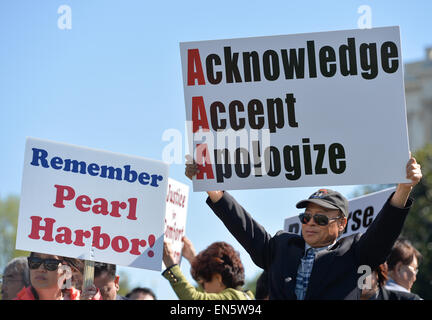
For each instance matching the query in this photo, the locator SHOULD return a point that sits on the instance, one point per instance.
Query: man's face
(107, 285)
(12, 284)
(407, 274)
(319, 236)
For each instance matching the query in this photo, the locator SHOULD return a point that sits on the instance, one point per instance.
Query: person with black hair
(50, 279)
(403, 263)
(217, 269)
(140, 293)
(317, 264)
(106, 280)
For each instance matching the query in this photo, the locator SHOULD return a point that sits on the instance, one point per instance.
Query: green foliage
(8, 226)
(251, 284)
(124, 285)
(418, 225)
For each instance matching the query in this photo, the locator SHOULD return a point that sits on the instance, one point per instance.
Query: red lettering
(116, 205)
(132, 208)
(203, 162)
(61, 196)
(117, 247)
(83, 200)
(97, 236)
(119, 243)
(102, 208)
(80, 235)
(66, 237)
(199, 116)
(36, 227)
(195, 70)
(136, 244)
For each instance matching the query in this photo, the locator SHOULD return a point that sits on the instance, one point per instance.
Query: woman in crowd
(217, 269)
(50, 278)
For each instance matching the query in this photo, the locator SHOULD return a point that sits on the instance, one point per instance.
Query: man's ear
(116, 282)
(343, 223)
(398, 267)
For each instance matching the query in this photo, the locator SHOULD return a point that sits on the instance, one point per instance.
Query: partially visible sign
(92, 205)
(176, 214)
(362, 211)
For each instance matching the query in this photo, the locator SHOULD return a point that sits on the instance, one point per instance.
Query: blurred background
(107, 75)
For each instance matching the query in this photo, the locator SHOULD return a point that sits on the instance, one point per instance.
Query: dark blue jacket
(335, 271)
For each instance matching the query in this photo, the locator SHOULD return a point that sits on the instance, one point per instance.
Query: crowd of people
(318, 264)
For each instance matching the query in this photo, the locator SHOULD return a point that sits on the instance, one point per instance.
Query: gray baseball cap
(327, 198)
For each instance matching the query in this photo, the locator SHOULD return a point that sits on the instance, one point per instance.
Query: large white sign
(93, 205)
(175, 219)
(362, 211)
(296, 110)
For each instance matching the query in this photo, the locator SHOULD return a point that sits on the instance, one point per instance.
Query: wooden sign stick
(88, 274)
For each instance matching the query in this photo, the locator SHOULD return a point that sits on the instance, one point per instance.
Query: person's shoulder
(285, 235)
(25, 294)
(351, 239)
(288, 238)
(401, 295)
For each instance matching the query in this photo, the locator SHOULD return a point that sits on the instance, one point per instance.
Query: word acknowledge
(293, 63)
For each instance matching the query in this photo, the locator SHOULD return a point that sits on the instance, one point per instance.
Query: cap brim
(320, 202)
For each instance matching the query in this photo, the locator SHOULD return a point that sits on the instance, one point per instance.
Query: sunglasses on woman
(49, 264)
(320, 219)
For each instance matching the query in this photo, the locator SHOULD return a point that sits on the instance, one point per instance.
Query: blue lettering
(39, 154)
(75, 164)
(128, 172)
(56, 163)
(39, 158)
(143, 177)
(111, 170)
(155, 179)
(93, 169)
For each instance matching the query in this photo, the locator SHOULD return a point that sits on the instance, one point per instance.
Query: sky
(112, 81)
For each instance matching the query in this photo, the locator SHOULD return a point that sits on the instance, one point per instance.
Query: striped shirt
(305, 269)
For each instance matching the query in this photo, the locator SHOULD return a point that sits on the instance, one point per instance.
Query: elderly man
(15, 277)
(316, 265)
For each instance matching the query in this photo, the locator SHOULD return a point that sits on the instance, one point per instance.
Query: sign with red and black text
(310, 109)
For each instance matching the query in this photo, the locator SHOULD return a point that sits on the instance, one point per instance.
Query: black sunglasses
(49, 264)
(320, 219)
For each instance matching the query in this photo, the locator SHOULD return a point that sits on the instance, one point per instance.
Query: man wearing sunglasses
(316, 265)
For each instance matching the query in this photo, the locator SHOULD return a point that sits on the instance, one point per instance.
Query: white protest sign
(362, 211)
(94, 205)
(175, 218)
(296, 110)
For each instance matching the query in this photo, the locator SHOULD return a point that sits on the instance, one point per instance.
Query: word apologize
(99, 239)
(93, 169)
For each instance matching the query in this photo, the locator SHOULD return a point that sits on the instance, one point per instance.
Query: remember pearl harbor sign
(94, 205)
(296, 110)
